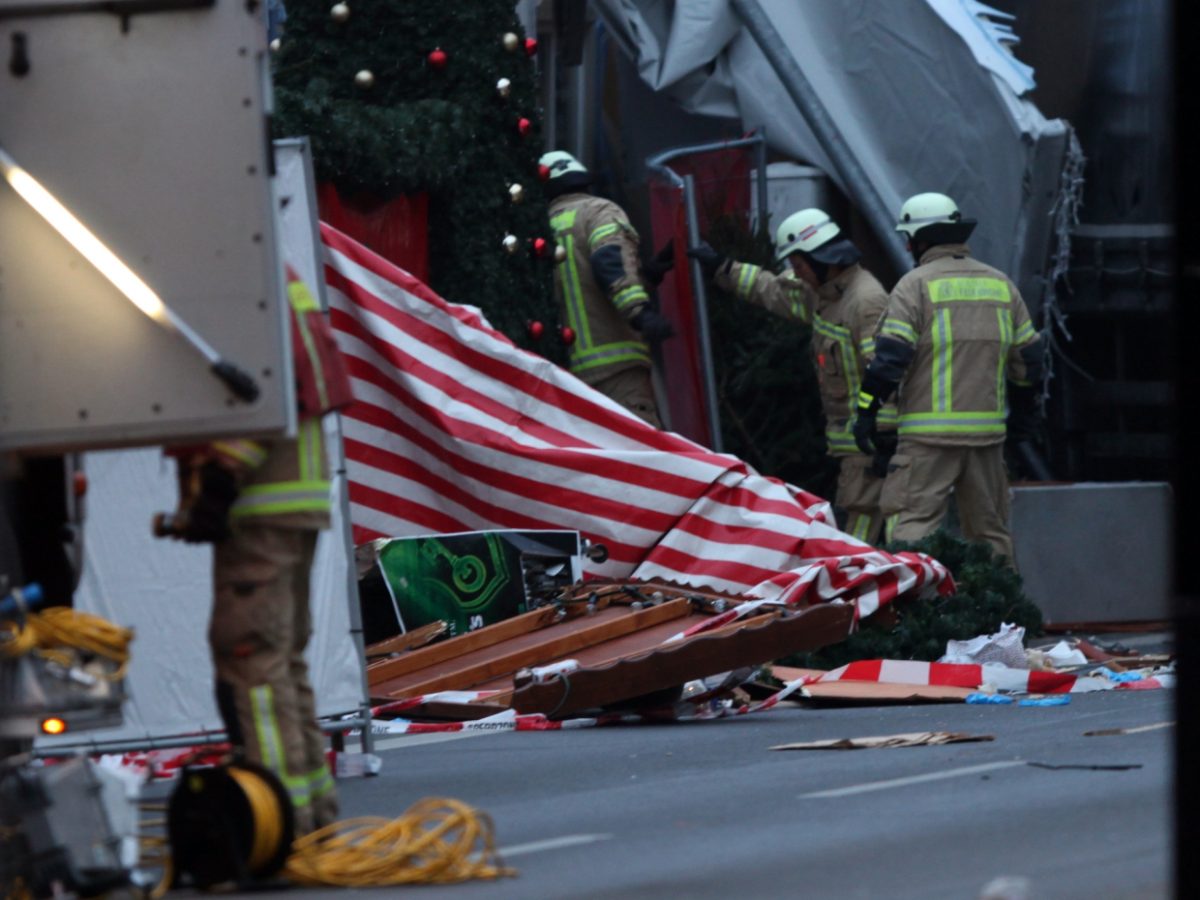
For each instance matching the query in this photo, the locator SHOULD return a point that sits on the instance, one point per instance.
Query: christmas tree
(409, 98)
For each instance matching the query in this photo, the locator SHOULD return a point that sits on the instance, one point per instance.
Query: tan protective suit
(843, 313)
(261, 621)
(608, 353)
(968, 326)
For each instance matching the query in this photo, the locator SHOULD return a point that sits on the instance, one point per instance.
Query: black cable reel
(229, 825)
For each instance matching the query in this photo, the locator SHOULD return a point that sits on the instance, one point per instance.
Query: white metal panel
(155, 137)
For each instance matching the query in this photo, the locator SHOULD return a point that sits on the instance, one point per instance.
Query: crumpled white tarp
(924, 93)
(1006, 646)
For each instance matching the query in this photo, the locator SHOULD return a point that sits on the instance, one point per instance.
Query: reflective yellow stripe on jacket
(308, 493)
(585, 354)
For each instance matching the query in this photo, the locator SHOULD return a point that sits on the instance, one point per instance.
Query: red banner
(396, 229)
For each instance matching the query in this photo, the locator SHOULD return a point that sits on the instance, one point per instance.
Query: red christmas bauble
(438, 58)
(567, 333)
(530, 46)
(524, 126)
(540, 246)
(536, 329)
(544, 172)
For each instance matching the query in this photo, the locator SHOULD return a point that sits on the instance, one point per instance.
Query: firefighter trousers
(260, 626)
(918, 486)
(858, 493)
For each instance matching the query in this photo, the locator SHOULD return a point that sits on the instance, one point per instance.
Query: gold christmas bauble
(516, 192)
(339, 12)
(511, 42)
(364, 79)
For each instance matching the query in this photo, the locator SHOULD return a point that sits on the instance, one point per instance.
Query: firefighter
(827, 288)
(262, 504)
(602, 293)
(958, 344)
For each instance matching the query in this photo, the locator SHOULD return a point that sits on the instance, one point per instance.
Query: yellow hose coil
(54, 631)
(436, 841)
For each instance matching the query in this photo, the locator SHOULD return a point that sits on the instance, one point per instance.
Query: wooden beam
(408, 641)
(556, 646)
(755, 642)
(387, 669)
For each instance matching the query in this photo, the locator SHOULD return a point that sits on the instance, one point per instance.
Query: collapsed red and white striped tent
(457, 429)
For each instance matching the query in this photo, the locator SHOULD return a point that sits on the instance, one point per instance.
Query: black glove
(663, 262)
(885, 448)
(865, 426)
(1024, 420)
(710, 260)
(208, 517)
(653, 325)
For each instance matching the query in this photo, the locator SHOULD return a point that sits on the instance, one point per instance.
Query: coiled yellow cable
(53, 632)
(437, 841)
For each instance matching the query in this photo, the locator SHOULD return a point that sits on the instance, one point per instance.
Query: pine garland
(445, 131)
(989, 593)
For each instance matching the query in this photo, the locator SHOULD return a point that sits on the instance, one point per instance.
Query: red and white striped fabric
(1003, 678)
(456, 429)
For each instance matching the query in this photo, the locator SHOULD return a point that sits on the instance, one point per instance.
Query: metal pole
(854, 178)
(760, 169)
(700, 294)
(352, 599)
(202, 739)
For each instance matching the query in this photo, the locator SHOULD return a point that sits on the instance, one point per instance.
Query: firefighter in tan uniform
(601, 291)
(262, 503)
(828, 289)
(958, 343)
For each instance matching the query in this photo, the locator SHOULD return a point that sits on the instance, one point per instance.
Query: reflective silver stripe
(284, 497)
(572, 288)
(899, 329)
(1004, 325)
(270, 744)
(602, 232)
(747, 275)
(627, 297)
(308, 445)
(606, 354)
(953, 423)
(943, 362)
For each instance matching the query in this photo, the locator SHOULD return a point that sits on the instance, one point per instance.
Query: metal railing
(659, 164)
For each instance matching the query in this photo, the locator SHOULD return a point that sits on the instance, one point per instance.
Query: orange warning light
(53, 725)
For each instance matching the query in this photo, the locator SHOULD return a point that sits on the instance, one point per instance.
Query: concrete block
(1095, 552)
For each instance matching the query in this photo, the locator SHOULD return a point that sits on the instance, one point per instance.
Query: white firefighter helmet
(923, 210)
(561, 163)
(804, 232)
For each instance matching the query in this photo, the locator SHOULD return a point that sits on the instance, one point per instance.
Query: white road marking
(914, 779)
(1138, 730)
(567, 840)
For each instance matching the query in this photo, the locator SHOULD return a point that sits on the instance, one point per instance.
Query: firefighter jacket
(598, 286)
(843, 314)
(285, 480)
(966, 332)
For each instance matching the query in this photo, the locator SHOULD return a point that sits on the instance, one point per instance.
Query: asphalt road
(708, 810)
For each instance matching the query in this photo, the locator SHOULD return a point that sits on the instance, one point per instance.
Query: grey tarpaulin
(925, 94)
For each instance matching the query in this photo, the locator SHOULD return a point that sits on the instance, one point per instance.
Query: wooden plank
(756, 642)
(407, 641)
(387, 669)
(542, 652)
